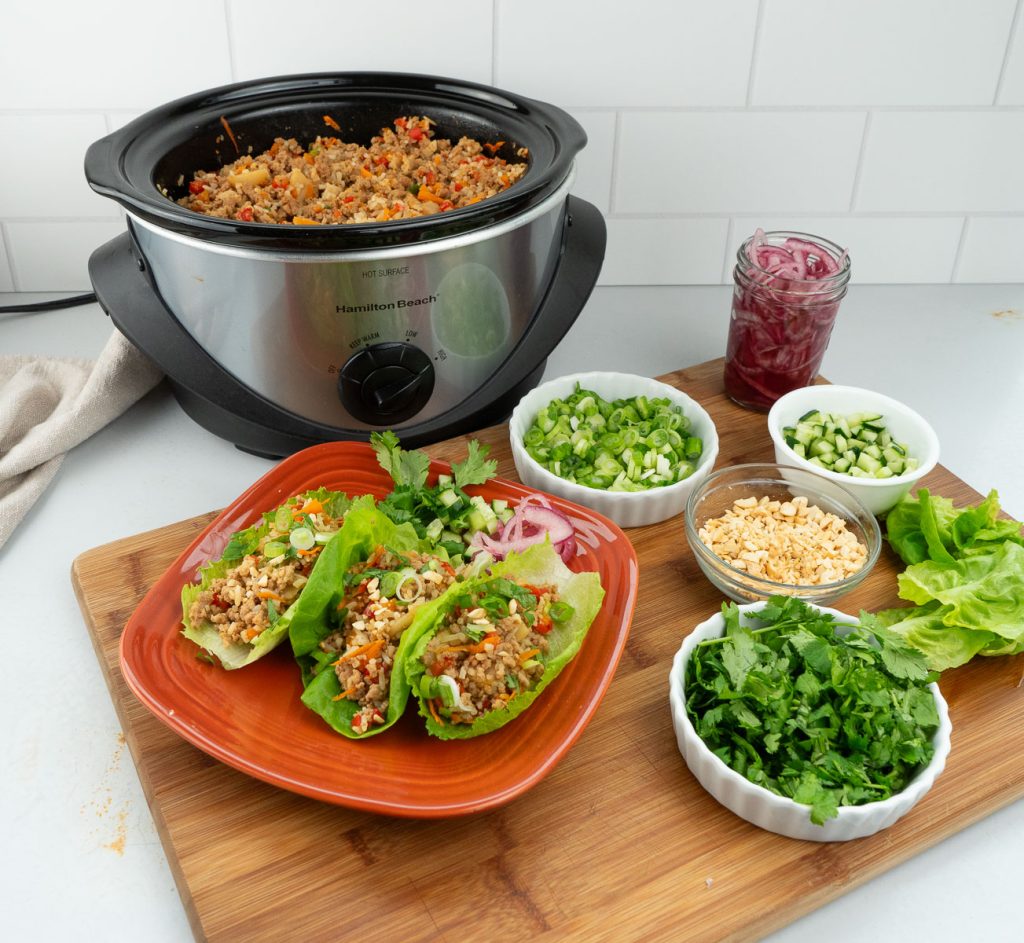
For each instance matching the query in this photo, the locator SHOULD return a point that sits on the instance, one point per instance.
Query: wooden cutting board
(619, 843)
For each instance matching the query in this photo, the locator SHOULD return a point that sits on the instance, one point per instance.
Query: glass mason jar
(781, 322)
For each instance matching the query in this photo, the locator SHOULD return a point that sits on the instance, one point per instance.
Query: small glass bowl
(716, 494)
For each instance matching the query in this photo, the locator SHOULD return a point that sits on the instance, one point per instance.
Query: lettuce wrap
(529, 599)
(342, 634)
(233, 613)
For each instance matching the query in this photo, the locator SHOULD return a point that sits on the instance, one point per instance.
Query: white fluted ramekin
(777, 813)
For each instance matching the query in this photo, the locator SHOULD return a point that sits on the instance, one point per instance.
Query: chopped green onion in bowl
(630, 444)
(618, 413)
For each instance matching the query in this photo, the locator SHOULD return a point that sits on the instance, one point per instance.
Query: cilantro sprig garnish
(826, 719)
(415, 502)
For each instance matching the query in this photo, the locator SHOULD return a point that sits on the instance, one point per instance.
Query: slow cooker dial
(386, 383)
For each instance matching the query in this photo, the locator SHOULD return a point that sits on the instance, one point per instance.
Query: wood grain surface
(619, 843)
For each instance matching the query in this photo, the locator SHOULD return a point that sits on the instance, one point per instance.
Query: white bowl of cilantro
(627, 446)
(873, 445)
(797, 728)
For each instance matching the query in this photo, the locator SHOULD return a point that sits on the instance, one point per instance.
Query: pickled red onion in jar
(788, 287)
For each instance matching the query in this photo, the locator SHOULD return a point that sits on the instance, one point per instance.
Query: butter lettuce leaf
(930, 527)
(365, 529)
(232, 655)
(538, 565)
(966, 577)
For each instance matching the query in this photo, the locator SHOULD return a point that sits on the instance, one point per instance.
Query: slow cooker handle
(103, 168)
(580, 259)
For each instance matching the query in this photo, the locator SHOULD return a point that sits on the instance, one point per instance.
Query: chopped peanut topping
(785, 541)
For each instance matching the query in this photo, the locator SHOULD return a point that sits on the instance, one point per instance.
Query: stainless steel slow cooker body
(290, 324)
(334, 331)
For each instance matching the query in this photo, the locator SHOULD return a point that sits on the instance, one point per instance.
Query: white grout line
(1008, 52)
(231, 40)
(858, 173)
(616, 138)
(755, 52)
(495, 16)
(955, 274)
(6, 240)
(727, 255)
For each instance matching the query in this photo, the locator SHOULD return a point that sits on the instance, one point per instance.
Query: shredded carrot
(309, 553)
(366, 173)
(433, 711)
(370, 649)
(309, 158)
(344, 694)
(477, 648)
(526, 656)
(231, 134)
(330, 122)
(312, 506)
(269, 594)
(494, 148)
(304, 221)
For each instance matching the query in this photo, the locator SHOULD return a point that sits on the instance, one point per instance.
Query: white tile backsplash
(645, 53)
(54, 256)
(104, 54)
(664, 251)
(1012, 91)
(881, 52)
(704, 119)
(46, 178)
(6, 276)
(332, 36)
(883, 250)
(735, 162)
(594, 164)
(993, 250)
(944, 162)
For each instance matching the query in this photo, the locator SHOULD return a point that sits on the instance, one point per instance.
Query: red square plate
(252, 718)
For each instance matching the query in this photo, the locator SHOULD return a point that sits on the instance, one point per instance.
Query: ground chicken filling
(252, 595)
(382, 596)
(405, 172)
(492, 647)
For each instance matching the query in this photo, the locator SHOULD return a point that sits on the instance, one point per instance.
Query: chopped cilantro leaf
(825, 718)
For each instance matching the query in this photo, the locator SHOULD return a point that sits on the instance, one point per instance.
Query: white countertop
(81, 857)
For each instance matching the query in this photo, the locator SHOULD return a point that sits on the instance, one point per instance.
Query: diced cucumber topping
(859, 444)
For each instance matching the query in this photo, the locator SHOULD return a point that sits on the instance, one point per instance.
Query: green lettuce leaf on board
(538, 565)
(233, 655)
(929, 527)
(966, 577)
(365, 529)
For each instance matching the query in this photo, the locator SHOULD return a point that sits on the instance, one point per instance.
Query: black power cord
(71, 302)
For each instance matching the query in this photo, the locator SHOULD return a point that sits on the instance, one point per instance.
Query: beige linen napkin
(49, 404)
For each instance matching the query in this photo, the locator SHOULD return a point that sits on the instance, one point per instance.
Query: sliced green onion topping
(302, 538)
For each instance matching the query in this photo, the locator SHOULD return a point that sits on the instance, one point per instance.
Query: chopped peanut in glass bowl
(765, 529)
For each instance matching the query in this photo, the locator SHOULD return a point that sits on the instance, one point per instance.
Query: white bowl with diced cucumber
(873, 445)
(637, 453)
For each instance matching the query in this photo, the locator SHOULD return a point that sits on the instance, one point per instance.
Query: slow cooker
(281, 336)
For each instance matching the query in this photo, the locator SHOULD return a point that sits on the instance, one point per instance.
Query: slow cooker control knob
(386, 383)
